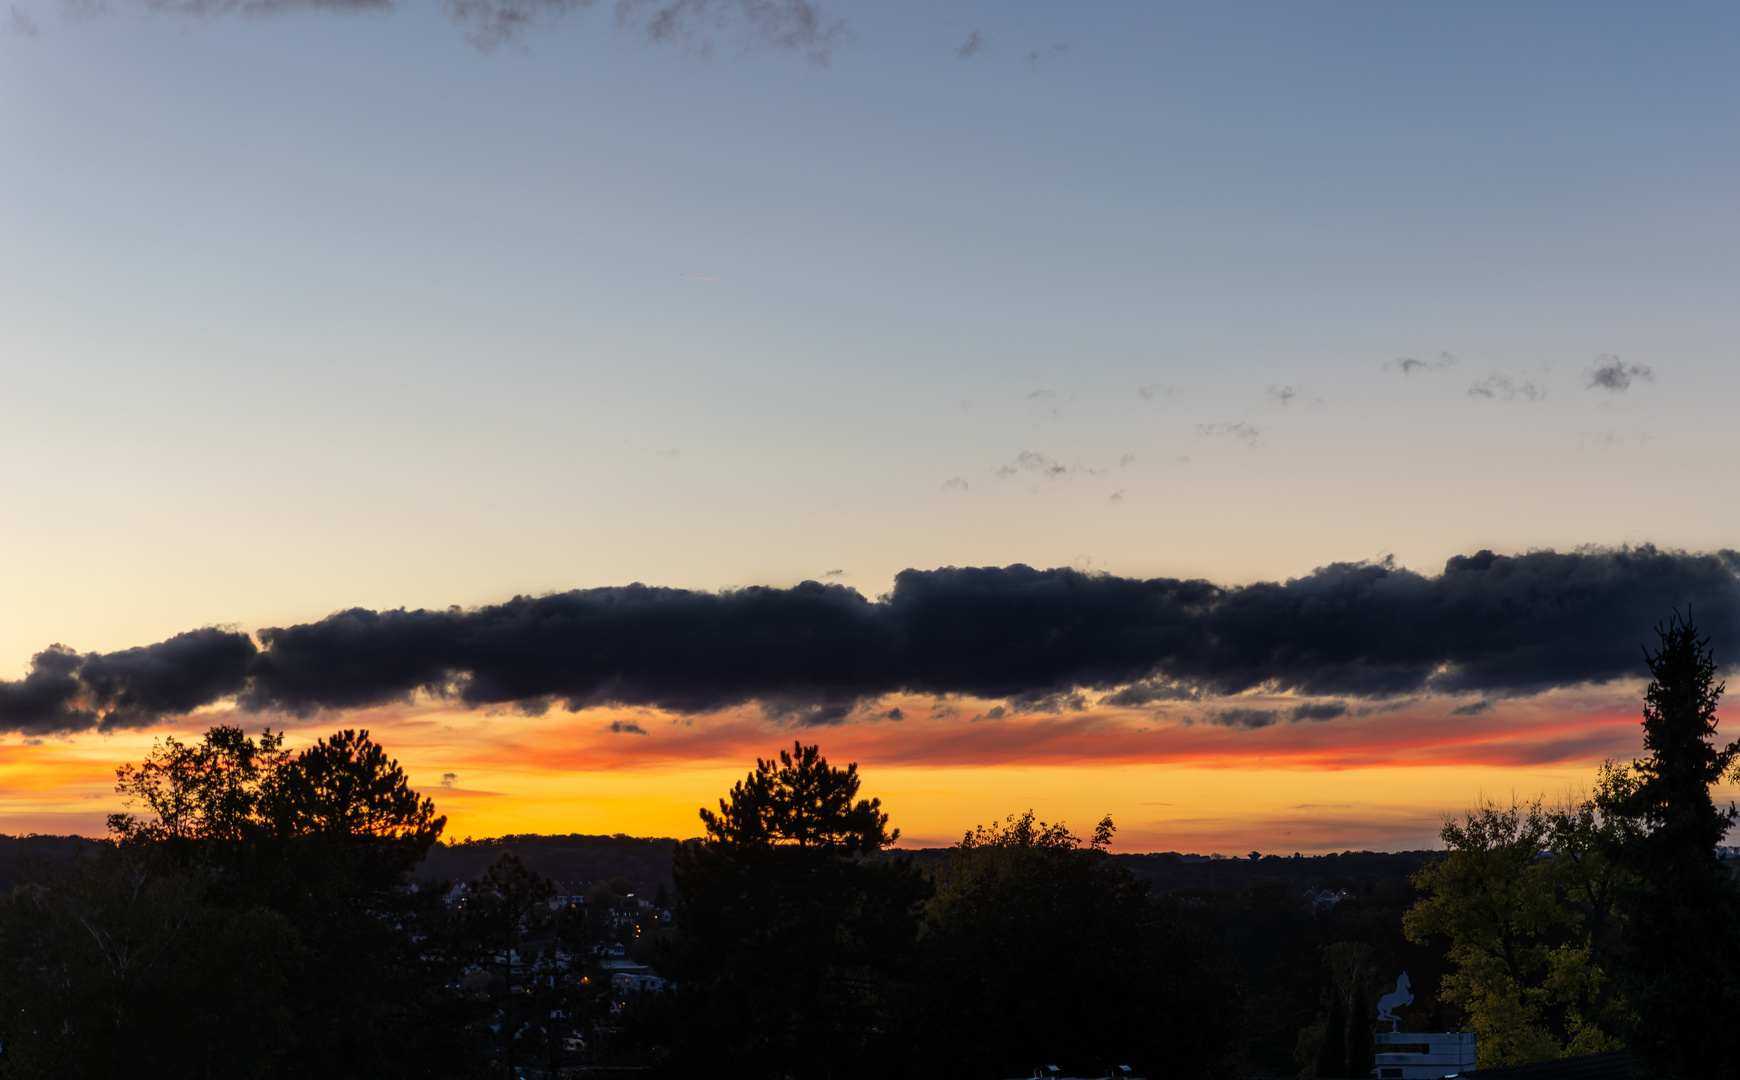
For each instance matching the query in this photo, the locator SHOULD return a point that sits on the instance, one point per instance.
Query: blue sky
(310, 310)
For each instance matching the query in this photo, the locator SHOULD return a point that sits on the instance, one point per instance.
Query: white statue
(1389, 1003)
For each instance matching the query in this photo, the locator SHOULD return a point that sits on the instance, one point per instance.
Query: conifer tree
(1681, 962)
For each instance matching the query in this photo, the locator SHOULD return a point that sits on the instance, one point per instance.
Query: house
(1325, 899)
(1419, 1055)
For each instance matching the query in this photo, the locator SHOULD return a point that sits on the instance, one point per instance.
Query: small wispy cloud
(1231, 430)
(626, 727)
(971, 47)
(448, 779)
(1030, 462)
(954, 483)
(1505, 388)
(1407, 365)
(1056, 51)
(20, 22)
(796, 25)
(1473, 708)
(1154, 390)
(1613, 438)
(1283, 394)
(1614, 375)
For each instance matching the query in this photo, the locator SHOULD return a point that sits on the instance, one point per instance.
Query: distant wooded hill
(581, 859)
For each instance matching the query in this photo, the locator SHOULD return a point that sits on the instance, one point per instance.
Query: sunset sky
(1245, 318)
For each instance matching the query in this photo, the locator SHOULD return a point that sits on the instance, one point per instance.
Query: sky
(311, 308)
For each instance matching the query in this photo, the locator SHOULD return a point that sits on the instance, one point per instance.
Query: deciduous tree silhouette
(239, 861)
(197, 795)
(118, 968)
(1039, 950)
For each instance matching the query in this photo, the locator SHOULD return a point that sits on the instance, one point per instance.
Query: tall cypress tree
(1681, 962)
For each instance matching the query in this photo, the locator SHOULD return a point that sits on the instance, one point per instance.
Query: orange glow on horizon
(1171, 780)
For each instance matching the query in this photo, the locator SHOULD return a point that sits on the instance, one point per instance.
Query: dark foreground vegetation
(262, 914)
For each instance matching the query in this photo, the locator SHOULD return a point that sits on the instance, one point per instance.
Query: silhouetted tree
(1361, 1046)
(237, 861)
(1681, 960)
(204, 799)
(118, 968)
(1037, 949)
(346, 831)
(791, 928)
(1332, 1053)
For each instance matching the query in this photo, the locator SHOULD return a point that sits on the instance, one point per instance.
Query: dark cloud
(1251, 719)
(1247, 719)
(66, 691)
(138, 686)
(46, 699)
(1473, 708)
(1611, 373)
(626, 727)
(799, 25)
(801, 710)
(1146, 692)
(1045, 703)
(811, 654)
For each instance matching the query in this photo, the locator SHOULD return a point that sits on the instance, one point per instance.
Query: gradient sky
(304, 311)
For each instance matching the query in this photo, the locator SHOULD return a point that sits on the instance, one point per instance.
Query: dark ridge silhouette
(22, 856)
(574, 860)
(814, 653)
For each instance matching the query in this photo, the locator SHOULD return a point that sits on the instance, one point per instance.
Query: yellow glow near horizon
(1383, 781)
